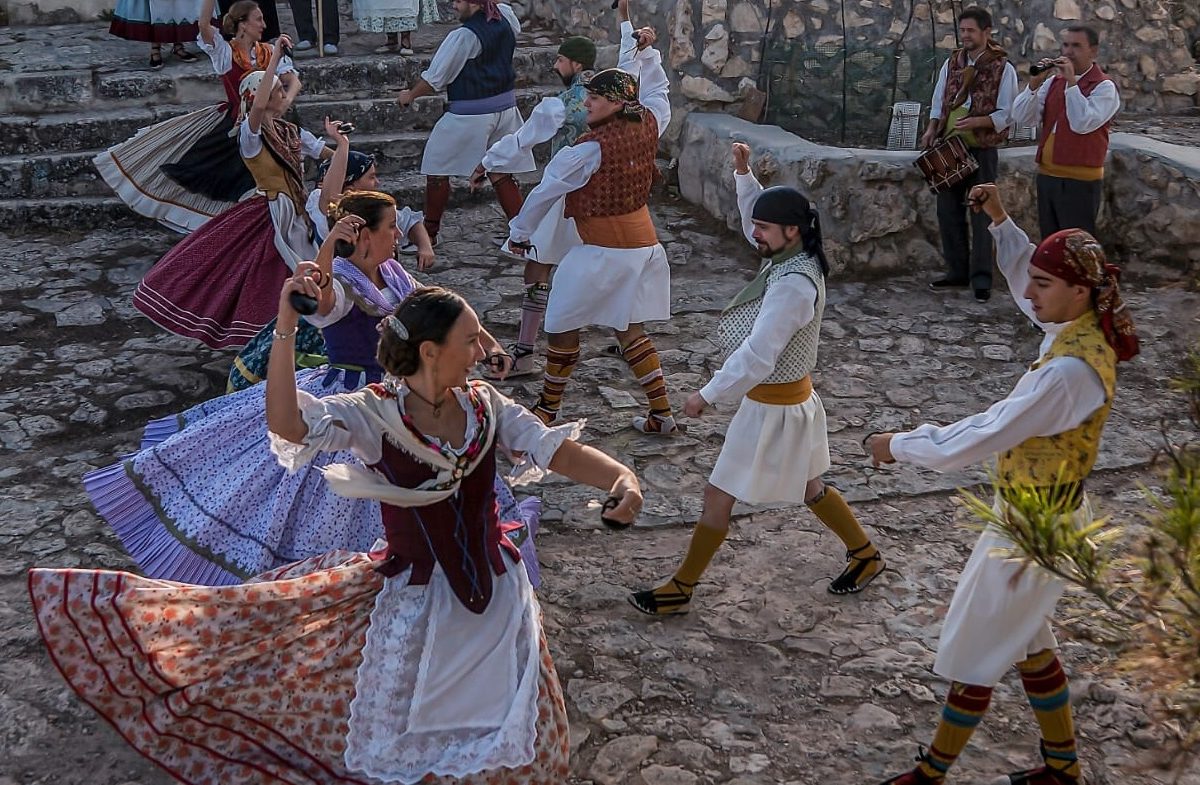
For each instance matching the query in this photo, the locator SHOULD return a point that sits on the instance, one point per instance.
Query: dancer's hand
(425, 258)
(741, 157)
(627, 490)
(695, 405)
(304, 282)
(346, 228)
(500, 364)
(405, 98)
(477, 179)
(985, 197)
(645, 37)
(880, 447)
(281, 43)
(333, 131)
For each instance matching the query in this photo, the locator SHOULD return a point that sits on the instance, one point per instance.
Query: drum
(946, 164)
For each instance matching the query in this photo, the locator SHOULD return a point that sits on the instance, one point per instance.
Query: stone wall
(878, 217)
(713, 48)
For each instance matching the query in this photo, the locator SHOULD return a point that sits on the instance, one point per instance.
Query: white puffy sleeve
(1054, 398)
(407, 218)
(1013, 252)
(567, 171)
(520, 431)
(1086, 113)
(457, 48)
(514, 149)
(310, 145)
(748, 188)
(219, 52)
(334, 423)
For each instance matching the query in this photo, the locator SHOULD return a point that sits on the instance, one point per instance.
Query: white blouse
(221, 55)
(251, 143)
(1056, 397)
(406, 217)
(336, 423)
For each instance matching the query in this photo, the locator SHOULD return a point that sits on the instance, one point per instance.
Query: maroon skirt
(221, 283)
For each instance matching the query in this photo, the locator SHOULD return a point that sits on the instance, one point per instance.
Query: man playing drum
(972, 99)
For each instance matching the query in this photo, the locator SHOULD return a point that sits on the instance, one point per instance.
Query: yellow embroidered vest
(1045, 461)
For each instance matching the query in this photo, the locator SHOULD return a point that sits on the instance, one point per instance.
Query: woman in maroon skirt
(218, 284)
(185, 170)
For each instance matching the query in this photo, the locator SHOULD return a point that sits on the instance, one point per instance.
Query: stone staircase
(54, 122)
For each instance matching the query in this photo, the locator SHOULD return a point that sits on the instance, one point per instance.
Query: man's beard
(566, 79)
(765, 251)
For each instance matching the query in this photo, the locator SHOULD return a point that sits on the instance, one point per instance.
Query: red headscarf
(1076, 257)
(490, 9)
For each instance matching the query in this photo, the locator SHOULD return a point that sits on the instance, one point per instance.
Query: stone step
(108, 87)
(63, 174)
(45, 215)
(66, 132)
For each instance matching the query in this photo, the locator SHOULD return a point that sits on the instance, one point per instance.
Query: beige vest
(799, 357)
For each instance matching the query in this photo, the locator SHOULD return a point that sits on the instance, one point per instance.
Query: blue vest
(491, 73)
(351, 341)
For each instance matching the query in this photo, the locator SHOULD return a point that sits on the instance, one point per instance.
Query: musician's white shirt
(1085, 113)
(1002, 117)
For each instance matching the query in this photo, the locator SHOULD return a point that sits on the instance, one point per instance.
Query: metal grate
(905, 127)
(832, 95)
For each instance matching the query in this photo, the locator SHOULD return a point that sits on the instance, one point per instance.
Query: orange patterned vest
(622, 183)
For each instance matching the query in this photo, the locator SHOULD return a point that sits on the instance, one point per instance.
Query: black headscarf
(786, 206)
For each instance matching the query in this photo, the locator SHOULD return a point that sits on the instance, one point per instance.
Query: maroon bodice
(461, 533)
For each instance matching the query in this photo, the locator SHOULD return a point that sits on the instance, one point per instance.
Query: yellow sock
(833, 511)
(862, 564)
(704, 545)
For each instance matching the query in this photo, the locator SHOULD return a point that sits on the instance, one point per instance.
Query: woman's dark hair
(427, 314)
(371, 206)
(237, 13)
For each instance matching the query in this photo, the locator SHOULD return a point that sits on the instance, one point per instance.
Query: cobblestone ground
(769, 679)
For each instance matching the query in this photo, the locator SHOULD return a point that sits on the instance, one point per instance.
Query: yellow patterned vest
(1045, 461)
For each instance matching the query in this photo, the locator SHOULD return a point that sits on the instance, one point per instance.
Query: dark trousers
(270, 16)
(969, 254)
(1067, 204)
(302, 14)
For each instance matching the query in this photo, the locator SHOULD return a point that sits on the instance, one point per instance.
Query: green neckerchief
(758, 286)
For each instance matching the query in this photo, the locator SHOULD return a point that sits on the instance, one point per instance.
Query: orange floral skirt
(246, 684)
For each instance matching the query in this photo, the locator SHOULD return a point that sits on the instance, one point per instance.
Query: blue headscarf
(357, 166)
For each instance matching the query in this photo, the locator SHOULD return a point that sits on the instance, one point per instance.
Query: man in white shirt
(474, 66)
(1074, 101)
(776, 447)
(972, 100)
(1046, 436)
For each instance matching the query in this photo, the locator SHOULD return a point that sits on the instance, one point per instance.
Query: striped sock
(559, 365)
(642, 358)
(533, 309)
(965, 707)
(1050, 696)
